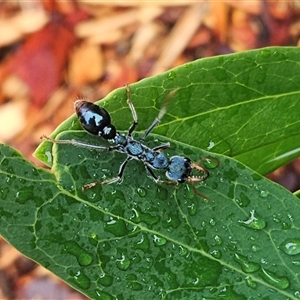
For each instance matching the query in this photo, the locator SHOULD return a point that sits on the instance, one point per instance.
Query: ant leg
(161, 147)
(156, 179)
(78, 144)
(160, 115)
(109, 181)
(133, 112)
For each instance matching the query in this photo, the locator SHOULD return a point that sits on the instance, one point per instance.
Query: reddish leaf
(41, 60)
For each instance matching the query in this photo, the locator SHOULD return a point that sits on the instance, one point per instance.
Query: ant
(96, 120)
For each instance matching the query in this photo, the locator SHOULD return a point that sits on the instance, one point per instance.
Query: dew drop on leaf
(254, 221)
(123, 263)
(143, 243)
(265, 53)
(216, 253)
(24, 194)
(141, 192)
(242, 200)
(172, 75)
(210, 162)
(247, 266)
(263, 194)
(273, 279)
(250, 282)
(285, 226)
(212, 222)
(4, 192)
(81, 280)
(192, 209)
(83, 257)
(218, 240)
(105, 280)
(160, 241)
(103, 295)
(182, 251)
(291, 246)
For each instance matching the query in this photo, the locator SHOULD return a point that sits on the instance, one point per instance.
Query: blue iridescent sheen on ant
(96, 120)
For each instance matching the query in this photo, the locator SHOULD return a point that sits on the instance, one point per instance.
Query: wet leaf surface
(159, 241)
(139, 238)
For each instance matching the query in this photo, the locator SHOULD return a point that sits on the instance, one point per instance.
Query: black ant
(96, 120)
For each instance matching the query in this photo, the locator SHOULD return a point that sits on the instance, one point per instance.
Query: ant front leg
(133, 112)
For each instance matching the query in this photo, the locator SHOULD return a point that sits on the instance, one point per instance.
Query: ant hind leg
(109, 181)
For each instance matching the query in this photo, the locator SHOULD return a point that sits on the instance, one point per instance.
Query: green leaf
(140, 239)
(244, 105)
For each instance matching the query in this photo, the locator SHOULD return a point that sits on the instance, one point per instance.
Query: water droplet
(285, 226)
(265, 53)
(81, 280)
(160, 241)
(101, 295)
(83, 257)
(141, 192)
(172, 75)
(291, 246)
(250, 282)
(264, 194)
(247, 266)
(105, 279)
(123, 263)
(4, 192)
(210, 162)
(143, 243)
(24, 194)
(273, 279)
(297, 294)
(215, 253)
(254, 221)
(116, 226)
(296, 262)
(260, 74)
(212, 222)
(182, 251)
(242, 200)
(218, 240)
(192, 209)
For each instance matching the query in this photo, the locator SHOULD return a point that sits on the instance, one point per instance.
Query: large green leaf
(244, 105)
(138, 239)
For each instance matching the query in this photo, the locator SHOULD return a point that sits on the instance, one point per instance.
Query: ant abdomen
(95, 119)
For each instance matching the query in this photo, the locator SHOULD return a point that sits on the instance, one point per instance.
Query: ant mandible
(96, 120)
